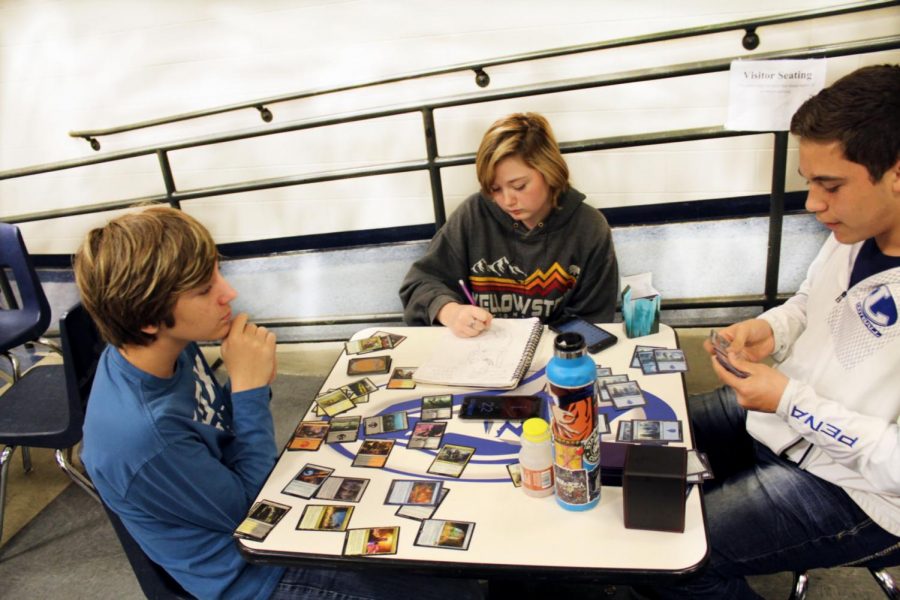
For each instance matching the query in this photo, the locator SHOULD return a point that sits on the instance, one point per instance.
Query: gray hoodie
(567, 264)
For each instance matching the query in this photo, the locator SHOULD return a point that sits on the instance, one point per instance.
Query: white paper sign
(764, 94)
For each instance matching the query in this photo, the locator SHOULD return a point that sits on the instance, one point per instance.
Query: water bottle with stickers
(574, 413)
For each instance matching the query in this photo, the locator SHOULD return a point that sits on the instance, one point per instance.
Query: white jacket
(840, 413)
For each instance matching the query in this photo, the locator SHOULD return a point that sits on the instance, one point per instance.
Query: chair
(155, 582)
(884, 579)
(29, 322)
(44, 408)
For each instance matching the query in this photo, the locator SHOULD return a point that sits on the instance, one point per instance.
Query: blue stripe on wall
(648, 214)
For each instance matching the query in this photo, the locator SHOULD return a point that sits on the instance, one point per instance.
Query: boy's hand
(761, 390)
(248, 352)
(464, 320)
(751, 339)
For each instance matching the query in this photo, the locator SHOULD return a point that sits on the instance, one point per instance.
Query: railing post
(168, 179)
(434, 172)
(776, 217)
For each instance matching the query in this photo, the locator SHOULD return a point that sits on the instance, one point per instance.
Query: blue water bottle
(572, 384)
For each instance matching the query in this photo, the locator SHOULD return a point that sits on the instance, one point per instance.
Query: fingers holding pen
(480, 319)
(464, 320)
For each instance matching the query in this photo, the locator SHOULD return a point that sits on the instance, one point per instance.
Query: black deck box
(653, 485)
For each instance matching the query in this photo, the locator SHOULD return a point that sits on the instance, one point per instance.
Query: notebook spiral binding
(528, 355)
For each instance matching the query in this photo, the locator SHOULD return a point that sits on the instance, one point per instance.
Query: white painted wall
(80, 64)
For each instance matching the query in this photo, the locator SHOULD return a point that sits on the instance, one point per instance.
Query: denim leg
(719, 426)
(370, 584)
(772, 517)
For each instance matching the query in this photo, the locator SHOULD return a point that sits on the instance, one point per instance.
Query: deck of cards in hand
(574, 411)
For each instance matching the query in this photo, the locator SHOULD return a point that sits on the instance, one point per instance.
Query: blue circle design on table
(489, 451)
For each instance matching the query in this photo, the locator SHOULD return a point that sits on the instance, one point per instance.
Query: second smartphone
(596, 338)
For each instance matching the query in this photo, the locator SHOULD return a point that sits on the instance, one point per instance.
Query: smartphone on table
(511, 408)
(595, 338)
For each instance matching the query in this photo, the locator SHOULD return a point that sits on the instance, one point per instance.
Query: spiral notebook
(498, 358)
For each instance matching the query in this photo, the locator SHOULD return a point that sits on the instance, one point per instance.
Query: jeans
(371, 584)
(764, 514)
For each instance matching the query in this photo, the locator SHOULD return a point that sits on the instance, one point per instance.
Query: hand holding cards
(720, 345)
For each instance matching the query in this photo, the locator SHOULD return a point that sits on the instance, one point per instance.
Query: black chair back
(82, 347)
(28, 322)
(155, 582)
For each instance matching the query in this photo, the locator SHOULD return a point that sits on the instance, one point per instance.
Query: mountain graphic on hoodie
(499, 268)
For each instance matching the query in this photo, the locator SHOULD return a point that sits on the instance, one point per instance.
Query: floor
(59, 544)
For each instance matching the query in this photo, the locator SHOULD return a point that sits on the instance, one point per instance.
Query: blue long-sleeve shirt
(180, 460)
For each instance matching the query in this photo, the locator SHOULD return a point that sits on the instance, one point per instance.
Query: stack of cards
(380, 340)
(373, 453)
(720, 345)
(358, 391)
(307, 481)
(427, 434)
(451, 460)
(343, 430)
(262, 518)
(325, 517)
(369, 365)
(437, 533)
(654, 360)
(402, 379)
(437, 407)
(621, 391)
(308, 435)
(334, 402)
(420, 512)
(515, 474)
(698, 468)
(372, 541)
(646, 431)
(414, 492)
(386, 423)
(345, 489)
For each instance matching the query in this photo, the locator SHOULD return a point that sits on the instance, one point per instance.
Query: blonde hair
(528, 136)
(131, 271)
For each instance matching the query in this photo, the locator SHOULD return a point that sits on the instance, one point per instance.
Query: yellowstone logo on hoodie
(505, 290)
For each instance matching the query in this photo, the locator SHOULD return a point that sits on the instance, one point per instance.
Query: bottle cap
(569, 345)
(536, 429)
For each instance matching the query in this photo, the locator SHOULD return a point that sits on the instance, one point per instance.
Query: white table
(513, 531)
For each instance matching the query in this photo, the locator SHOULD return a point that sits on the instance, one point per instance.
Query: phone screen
(595, 338)
(500, 407)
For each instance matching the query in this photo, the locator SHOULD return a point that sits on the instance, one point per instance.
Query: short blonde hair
(528, 136)
(131, 271)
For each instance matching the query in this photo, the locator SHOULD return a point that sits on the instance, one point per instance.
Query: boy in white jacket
(807, 454)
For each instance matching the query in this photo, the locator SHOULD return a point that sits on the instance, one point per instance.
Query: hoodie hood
(558, 218)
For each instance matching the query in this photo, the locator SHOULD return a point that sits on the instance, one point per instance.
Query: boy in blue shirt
(178, 457)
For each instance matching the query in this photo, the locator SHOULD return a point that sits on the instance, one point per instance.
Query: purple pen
(468, 294)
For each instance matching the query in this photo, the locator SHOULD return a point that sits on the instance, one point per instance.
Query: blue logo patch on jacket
(878, 309)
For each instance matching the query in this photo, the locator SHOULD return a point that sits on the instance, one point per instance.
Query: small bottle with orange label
(536, 458)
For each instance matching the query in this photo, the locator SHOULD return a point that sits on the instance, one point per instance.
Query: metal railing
(750, 41)
(433, 163)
